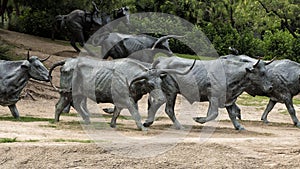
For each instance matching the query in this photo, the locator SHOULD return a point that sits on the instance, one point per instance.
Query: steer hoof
(240, 128)
(265, 121)
(179, 127)
(113, 125)
(201, 120)
(297, 124)
(143, 128)
(87, 121)
(147, 124)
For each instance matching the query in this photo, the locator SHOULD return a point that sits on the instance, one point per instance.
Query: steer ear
(137, 85)
(249, 70)
(25, 65)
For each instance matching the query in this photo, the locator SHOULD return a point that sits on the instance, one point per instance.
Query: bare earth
(70, 144)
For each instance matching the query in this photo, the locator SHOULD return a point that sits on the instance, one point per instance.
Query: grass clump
(24, 119)
(8, 140)
(247, 100)
(73, 140)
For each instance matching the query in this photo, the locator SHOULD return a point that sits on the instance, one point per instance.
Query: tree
(3, 9)
(287, 11)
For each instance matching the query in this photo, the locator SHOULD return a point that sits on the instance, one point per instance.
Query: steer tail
(160, 40)
(60, 63)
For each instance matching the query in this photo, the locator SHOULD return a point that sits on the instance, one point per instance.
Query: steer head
(37, 70)
(258, 75)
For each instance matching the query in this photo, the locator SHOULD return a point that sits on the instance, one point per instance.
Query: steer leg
(270, 106)
(133, 109)
(64, 101)
(232, 112)
(73, 43)
(212, 112)
(291, 110)
(67, 109)
(14, 111)
(171, 99)
(80, 106)
(116, 114)
(237, 111)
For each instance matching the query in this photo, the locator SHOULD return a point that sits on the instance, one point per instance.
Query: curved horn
(51, 69)
(43, 60)
(267, 63)
(177, 71)
(145, 68)
(255, 64)
(165, 38)
(156, 62)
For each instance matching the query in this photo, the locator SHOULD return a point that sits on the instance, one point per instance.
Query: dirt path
(39, 143)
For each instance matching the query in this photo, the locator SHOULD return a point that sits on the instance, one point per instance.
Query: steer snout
(157, 96)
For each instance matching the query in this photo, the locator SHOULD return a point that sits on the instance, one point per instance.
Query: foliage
(279, 43)
(8, 140)
(4, 49)
(266, 28)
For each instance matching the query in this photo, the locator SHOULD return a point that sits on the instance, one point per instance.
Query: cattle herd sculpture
(123, 81)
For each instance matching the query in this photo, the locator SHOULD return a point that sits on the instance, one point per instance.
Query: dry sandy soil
(40, 143)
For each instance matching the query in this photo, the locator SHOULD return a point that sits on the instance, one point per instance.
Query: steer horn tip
(29, 49)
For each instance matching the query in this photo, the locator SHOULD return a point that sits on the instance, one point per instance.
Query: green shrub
(279, 44)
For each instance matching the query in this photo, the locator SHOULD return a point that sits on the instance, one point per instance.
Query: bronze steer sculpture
(117, 45)
(79, 24)
(285, 76)
(122, 82)
(14, 76)
(218, 81)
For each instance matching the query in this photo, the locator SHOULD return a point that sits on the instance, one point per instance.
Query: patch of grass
(31, 141)
(70, 114)
(284, 112)
(24, 119)
(97, 115)
(247, 100)
(71, 125)
(161, 118)
(195, 57)
(48, 125)
(8, 140)
(187, 56)
(6, 51)
(109, 116)
(296, 101)
(73, 140)
(12, 140)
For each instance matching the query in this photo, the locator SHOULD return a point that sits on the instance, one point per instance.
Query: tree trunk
(17, 7)
(3, 8)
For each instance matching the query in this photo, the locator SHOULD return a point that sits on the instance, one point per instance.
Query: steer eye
(162, 75)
